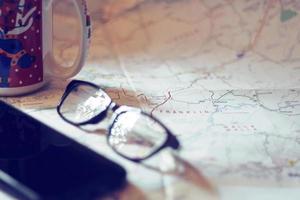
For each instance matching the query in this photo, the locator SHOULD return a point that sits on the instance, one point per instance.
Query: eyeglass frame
(171, 140)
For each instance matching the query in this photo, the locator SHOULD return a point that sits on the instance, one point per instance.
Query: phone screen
(50, 164)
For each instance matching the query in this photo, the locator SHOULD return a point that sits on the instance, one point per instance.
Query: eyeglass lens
(83, 103)
(136, 135)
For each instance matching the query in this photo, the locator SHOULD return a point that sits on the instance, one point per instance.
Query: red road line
(165, 101)
(262, 25)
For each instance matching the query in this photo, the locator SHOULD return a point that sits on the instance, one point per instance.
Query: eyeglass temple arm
(173, 142)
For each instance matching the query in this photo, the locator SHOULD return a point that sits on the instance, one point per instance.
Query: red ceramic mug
(26, 56)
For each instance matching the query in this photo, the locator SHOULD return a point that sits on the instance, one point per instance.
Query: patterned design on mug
(21, 57)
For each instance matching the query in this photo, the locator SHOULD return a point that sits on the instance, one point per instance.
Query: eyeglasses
(132, 133)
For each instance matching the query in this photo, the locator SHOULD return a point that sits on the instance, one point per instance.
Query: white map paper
(223, 75)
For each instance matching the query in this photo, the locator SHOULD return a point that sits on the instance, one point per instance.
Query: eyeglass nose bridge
(100, 117)
(113, 106)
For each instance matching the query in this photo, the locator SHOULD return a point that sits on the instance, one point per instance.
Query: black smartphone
(38, 162)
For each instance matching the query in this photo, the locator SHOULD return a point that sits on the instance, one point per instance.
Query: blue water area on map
(287, 15)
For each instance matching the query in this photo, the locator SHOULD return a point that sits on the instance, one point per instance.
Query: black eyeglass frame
(171, 140)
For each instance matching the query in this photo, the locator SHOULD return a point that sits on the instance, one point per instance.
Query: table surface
(223, 75)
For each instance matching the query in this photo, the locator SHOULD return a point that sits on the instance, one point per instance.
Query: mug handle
(63, 72)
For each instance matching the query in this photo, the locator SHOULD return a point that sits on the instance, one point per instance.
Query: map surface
(223, 75)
